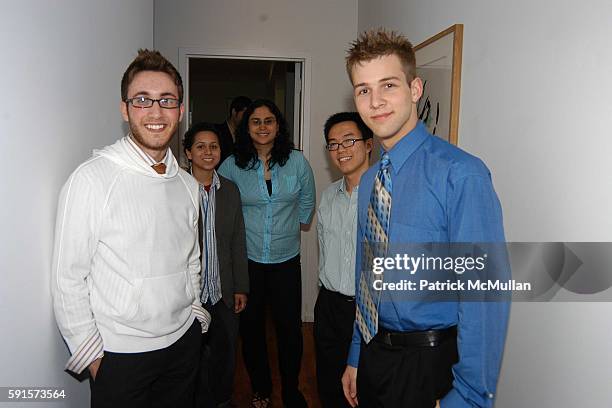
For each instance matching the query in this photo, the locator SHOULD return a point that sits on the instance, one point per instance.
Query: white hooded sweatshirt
(126, 268)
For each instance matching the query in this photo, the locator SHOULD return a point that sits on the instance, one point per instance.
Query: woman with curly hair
(278, 195)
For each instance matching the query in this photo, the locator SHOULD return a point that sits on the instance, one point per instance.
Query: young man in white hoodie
(126, 259)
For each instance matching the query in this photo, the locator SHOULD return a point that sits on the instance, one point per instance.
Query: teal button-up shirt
(272, 222)
(337, 232)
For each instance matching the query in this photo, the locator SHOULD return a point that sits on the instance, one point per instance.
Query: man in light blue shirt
(418, 354)
(349, 142)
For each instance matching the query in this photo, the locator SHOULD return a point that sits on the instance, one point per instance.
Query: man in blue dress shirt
(418, 353)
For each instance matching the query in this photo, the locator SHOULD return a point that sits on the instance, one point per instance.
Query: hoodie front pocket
(117, 298)
(163, 304)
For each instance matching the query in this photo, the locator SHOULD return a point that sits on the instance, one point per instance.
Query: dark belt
(338, 294)
(426, 338)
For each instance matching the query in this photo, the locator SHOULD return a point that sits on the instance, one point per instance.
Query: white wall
(536, 106)
(320, 29)
(61, 69)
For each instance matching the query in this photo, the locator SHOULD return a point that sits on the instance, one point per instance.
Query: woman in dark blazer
(225, 278)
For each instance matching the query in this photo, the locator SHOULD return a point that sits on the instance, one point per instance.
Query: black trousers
(333, 330)
(161, 378)
(218, 359)
(280, 287)
(397, 376)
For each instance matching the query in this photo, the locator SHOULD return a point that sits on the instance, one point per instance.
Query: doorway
(213, 81)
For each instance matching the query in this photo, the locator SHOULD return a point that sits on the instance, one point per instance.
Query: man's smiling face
(351, 159)
(384, 98)
(152, 128)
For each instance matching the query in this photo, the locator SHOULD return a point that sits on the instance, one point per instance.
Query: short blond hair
(378, 43)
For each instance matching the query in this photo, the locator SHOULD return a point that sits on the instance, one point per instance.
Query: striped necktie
(375, 245)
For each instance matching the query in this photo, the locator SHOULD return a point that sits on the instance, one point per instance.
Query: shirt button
(491, 396)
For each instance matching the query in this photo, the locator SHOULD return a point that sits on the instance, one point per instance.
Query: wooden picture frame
(438, 61)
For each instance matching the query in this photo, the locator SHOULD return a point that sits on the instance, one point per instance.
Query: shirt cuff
(202, 315)
(454, 399)
(91, 349)
(353, 355)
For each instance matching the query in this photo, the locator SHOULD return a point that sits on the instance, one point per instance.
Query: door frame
(185, 53)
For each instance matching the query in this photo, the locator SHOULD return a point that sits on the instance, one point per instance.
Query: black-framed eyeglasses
(144, 102)
(345, 143)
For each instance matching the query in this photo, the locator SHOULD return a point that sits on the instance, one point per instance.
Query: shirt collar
(406, 146)
(341, 188)
(145, 156)
(216, 182)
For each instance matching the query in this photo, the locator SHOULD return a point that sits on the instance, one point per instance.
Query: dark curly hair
(245, 155)
(189, 138)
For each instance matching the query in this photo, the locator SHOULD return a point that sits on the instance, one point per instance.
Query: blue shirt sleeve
(307, 192)
(355, 348)
(226, 167)
(475, 216)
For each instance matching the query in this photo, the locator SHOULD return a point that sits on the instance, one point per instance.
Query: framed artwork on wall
(438, 64)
